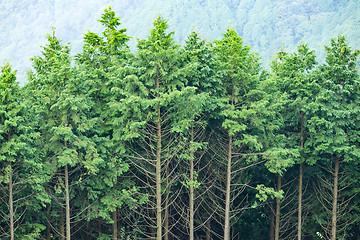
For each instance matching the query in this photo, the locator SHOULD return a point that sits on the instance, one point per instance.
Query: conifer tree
(101, 62)
(9, 147)
(334, 125)
(152, 118)
(59, 97)
(199, 64)
(293, 76)
(242, 121)
(20, 179)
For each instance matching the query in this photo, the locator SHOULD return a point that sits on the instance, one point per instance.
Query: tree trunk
(300, 201)
(277, 215)
(191, 188)
(335, 199)
(272, 222)
(48, 230)
(228, 181)
(115, 230)
(67, 203)
(227, 193)
(300, 177)
(99, 226)
(11, 204)
(11, 201)
(158, 167)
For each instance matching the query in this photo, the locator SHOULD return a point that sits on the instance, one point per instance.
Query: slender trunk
(48, 230)
(272, 222)
(300, 201)
(227, 193)
(62, 225)
(228, 181)
(191, 188)
(115, 230)
(11, 201)
(300, 177)
(11, 204)
(99, 226)
(158, 167)
(335, 199)
(208, 229)
(166, 215)
(67, 203)
(67, 196)
(277, 216)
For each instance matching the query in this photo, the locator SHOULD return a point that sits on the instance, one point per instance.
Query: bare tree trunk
(99, 226)
(272, 222)
(191, 188)
(115, 229)
(335, 199)
(67, 203)
(300, 201)
(11, 204)
(227, 193)
(228, 182)
(300, 178)
(48, 230)
(277, 216)
(158, 167)
(11, 201)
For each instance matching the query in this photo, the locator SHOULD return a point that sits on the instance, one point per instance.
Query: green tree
(245, 108)
(199, 67)
(151, 120)
(19, 179)
(334, 124)
(293, 76)
(59, 97)
(101, 63)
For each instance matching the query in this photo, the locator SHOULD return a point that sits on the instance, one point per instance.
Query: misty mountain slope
(266, 25)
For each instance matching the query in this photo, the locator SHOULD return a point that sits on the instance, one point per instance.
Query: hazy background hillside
(266, 25)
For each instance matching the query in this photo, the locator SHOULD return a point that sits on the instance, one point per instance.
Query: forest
(180, 141)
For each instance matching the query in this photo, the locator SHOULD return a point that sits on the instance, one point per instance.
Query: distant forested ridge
(197, 140)
(266, 25)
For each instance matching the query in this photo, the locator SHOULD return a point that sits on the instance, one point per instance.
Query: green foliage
(265, 192)
(292, 75)
(334, 123)
(21, 170)
(238, 68)
(170, 120)
(280, 159)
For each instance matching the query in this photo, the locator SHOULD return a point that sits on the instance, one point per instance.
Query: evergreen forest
(180, 141)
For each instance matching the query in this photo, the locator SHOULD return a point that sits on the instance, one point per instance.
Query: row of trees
(176, 142)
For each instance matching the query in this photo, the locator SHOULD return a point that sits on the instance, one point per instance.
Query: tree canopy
(180, 141)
